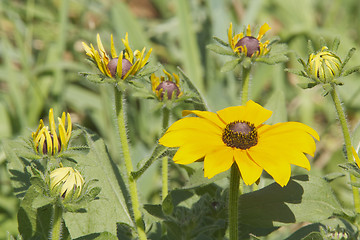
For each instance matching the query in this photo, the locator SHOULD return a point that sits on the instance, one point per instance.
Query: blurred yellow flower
(131, 62)
(324, 65)
(160, 86)
(238, 134)
(66, 180)
(248, 44)
(51, 142)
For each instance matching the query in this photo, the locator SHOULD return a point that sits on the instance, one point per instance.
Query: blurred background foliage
(41, 55)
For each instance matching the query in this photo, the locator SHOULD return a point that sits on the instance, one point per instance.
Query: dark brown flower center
(169, 87)
(240, 134)
(251, 43)
(44, 150)
(112, 65)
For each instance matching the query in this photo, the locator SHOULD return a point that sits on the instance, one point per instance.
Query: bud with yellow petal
(67, 182)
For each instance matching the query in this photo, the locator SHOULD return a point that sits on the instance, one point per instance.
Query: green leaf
(98, 236)
(97, 78)
(335, 44)
(34, 222)
(303, 199)
(222, 42)
(155, 210)
(174, 198)
(230, 65)
(300, 73)
(202, 103)
(148, 70)
(158, 152)
(219, 50)
(110, 207)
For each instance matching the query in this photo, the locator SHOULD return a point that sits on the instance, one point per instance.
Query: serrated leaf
(41, 201)
(98, 236)
(230, 65)
(99, 216)
(155, 210)
(303, 199)
(219, 50)
(148, 70)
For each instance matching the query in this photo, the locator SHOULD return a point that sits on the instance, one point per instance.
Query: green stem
(120, 114)
(234, 202)
(57, 223)
(165, 186)
(245, 85)
(347, 139)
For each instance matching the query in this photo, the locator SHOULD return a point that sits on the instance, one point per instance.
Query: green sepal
(300, 73)
(327, 88)
(219, 50)
(335, 44)
(230, 65)
(146, 71)
(310, 47)
(351, 70)
(222, 42)
(347, 58)
(352, 168)
(302, 62)
(307, 85)
(97, 78)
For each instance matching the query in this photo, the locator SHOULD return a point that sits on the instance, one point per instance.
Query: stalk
(164, 171)
(347, 140)
(121, 121)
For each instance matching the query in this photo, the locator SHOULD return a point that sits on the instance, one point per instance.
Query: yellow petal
(200, 124)
(248, 30)
(289, 126)
(356, 156)
(146, 58)
(218, 161)
(113, 50)
(119, 65)
(87, 50)
(212, 117)
(272, 162)
(190, 136)
(191, 153)
(100, 45)
(62, 134)
(128, 49)
(55, 141)
(250, 171)
(251, 112)
(69, 128)
(230, 33)
(264, 28)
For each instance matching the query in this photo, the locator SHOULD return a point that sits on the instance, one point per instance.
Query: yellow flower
(238, 134)
(66, 180)
(248, 44)
(356, 156)
(131, 62)
(51, 142)
(160, 86)
(324, 65)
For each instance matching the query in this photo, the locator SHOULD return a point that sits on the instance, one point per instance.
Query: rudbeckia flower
(238, 134)
(248, 44)
(66, 180)
(50, 142)
(131, 62)
(171, 86)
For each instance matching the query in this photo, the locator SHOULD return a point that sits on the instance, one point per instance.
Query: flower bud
(251, 44)
(126, 65)
(67, 182)
(169, 87)
(324, 66)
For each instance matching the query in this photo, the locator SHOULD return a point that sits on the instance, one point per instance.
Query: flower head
(65, 181)
(324, 66)
(248, 44)
(238, 134)
(50, 142)
(171, 88)
(131, 61)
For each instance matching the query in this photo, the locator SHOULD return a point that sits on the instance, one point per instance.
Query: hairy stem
(347, 140)
(57, 223)
(165, 188)
(121, 121)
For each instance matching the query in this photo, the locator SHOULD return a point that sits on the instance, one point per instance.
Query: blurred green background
(41, 55)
